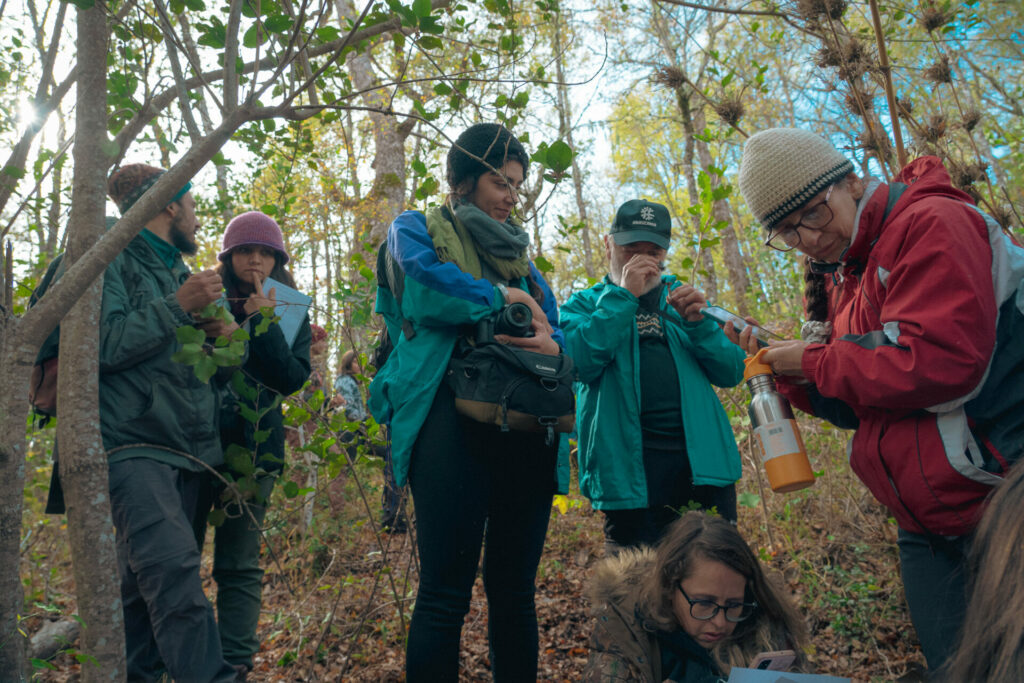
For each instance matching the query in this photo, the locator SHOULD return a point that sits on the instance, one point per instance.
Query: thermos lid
(755, 366)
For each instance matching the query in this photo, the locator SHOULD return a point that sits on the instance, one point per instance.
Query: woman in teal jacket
(445, 271)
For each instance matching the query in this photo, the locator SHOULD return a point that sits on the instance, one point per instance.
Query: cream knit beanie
(784, 168)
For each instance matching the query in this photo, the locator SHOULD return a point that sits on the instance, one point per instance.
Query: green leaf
(278, 23)
(440, 89)
(248, 414)
(261, 435)
(215, 35)
(543, 265)
(195, 5)
(748, 500)
(205, 368)
(239, 459)
(216, 517)
(430, 25)
(190, 335)
(254, 36)
(328, 33)
(559, 157)
(429, 42)
(421, 8)
(224, 357)
(189, 354)
(290, 488)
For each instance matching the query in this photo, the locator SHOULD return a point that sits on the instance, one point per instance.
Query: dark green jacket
(150, 405)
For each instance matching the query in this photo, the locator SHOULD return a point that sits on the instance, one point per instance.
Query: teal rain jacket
(600, 332)
(438, 298)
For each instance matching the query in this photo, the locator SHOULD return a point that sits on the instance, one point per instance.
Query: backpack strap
(896, 191)
(391, 277)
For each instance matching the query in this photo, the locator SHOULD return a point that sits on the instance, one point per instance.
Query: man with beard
(160, 432)
(653, 438)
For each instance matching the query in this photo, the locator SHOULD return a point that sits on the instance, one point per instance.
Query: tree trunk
(83, 462)
(736, 269)
(386, 197)
(565, 132)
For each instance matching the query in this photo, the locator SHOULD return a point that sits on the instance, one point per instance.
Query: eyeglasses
(814, 218)
(707, 609)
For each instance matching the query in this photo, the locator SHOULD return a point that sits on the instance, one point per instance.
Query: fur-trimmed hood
(617, 580)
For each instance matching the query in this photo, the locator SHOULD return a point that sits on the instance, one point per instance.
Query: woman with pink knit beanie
(253, 250)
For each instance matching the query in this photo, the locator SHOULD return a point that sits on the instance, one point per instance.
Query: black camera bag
(517, 389)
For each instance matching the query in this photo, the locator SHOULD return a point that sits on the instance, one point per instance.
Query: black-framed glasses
(814, 218)
(707, 609)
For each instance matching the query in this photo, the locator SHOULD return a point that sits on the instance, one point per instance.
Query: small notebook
(291, 307)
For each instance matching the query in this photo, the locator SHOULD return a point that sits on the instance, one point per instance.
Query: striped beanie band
(784, 168)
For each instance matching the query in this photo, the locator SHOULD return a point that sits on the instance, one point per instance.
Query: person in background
(653, 437)
(253, 250)
(348, 394)
(689, 609)
(991, 646)
(473, 485)
(159, 427)
(902, 281)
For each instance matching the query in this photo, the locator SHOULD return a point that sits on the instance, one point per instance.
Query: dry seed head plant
(932, 18)
(669, 76)
(940, 71)
(905, 108)
(730, 109)
(972, 117)
(875, 143)
(851, 58)
(966, 173)
(814, 10)
(935, 129)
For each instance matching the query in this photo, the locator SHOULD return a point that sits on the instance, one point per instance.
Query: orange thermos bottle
(775, 432)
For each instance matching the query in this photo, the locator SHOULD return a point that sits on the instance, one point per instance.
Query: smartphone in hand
(722, 316)
(779, 660)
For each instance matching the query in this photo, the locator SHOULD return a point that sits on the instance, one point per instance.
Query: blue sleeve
(436, 293)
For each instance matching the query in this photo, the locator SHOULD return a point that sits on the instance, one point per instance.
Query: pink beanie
(253, 227)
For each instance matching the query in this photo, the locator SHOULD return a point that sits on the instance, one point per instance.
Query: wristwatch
(503, 288)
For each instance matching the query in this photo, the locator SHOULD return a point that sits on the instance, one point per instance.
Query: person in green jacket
(275, 367)
(159, 428)
(687, 610)
(653, 438)
(473, 486)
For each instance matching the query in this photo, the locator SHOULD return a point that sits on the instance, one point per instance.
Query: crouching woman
(688, 609)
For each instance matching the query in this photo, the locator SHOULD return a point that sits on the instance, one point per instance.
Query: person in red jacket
(904, 283)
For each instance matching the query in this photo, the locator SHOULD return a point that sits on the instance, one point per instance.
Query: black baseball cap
(639, 220)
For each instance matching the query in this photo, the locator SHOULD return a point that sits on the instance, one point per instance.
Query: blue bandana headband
(133, 196)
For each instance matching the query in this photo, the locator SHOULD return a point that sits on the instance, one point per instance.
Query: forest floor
(337, 598)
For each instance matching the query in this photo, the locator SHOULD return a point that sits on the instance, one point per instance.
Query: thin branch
(179, 76)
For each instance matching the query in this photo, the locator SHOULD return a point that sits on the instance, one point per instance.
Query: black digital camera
(512, 319)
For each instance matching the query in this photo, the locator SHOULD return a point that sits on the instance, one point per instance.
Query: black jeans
(473, 485)
(935, 585)
(168, 620)
(670, 489)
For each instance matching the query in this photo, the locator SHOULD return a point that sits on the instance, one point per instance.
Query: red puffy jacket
(914, 310)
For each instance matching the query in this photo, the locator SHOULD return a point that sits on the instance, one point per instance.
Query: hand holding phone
(779, 660)
(722, 316)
